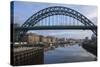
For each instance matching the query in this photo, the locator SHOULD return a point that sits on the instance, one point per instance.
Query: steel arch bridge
(31, 22)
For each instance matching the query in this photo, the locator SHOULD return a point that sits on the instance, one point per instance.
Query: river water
(66, 54)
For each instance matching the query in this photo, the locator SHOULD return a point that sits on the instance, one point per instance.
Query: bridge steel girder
(56, 10)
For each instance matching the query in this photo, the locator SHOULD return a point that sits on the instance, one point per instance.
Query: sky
(23, 10)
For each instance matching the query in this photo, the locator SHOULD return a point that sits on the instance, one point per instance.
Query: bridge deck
(56, 28)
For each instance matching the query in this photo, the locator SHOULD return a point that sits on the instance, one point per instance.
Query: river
(66, 54)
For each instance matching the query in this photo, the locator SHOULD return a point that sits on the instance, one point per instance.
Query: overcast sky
(23, 10)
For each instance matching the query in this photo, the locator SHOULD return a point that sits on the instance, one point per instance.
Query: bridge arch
(56, 10)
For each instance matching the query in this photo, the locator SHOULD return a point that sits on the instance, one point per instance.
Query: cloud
(92, 15)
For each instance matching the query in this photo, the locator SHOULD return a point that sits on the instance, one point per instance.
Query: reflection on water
(66, 53)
